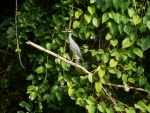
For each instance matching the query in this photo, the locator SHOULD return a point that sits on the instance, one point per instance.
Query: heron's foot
(78, 60)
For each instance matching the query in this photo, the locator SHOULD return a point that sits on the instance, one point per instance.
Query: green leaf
(54, 89)
(142, 80)
(117, 17)
(29, 106)
(127, 67)
(99, 4)
(31, 87)
(108, 3)
(124, 77)
(119, 107)
(22, 104)
(96, 22)
(101, 107)
(108, 36)
(110, 110)
(87, 18)
(33, 95)
(134, 37)
(140, 105)
(98, 86)
(39, 69)
(80, 102)
(148, 24)
(48, 46)
(113, 63)
(128, 29)
(113, 27)
(78, 13)
(118, 74)
(91, 9)
(20, 112)
(136, 19)
(138, 52)
(59, 96)
(93, 52)
(148, 108)
(91, 78)
(92, 1)
(124, 6)
(131, 80)
(130, 110)
(112, 70)
(30, 77)
(144, 43)
(105, 17)
(117, 3)
(131, 12)
(126, 43)
(76, 24)
(71, 92)
(91, 108)
(48, 65)
(105, 57)
(114, 42)
(101, 72)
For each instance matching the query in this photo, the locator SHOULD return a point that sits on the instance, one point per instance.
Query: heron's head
(68, 31)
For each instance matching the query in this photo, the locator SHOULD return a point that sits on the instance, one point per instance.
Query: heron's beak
(64, 31)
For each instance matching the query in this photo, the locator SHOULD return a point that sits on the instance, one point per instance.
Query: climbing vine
(113, 36)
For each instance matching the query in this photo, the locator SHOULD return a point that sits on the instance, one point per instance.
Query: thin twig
(17, 35)
(122, 86)
(56, 55)
(113, 101)
(6, 52)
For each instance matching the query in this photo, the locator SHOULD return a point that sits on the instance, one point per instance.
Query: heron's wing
(75, 49)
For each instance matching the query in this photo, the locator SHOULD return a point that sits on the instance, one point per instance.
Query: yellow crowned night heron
(74, 46)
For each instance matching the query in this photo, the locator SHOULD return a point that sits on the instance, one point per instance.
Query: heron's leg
(72, 57)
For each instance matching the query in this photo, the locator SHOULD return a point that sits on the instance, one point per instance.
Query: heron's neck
(70, 38)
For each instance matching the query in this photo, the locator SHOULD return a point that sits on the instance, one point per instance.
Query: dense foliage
(113, 36)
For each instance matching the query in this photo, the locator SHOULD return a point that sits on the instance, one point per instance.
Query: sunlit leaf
(91, 108)
(91, 78)
(131, 80)
(96, 22)
(76, 24)
(113, 63)
(131, 12)
(124, 77)
(98, 87)
(138, 52)
(92, 1)
(136, 20)
(91, 9)
(130, 110)
(114, 42)
(105, 17)
(40, 69)
(101, 72)
(126, 43)
(87, 18)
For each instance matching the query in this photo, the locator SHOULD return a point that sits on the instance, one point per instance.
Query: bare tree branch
(58, 56)
(122, 86)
